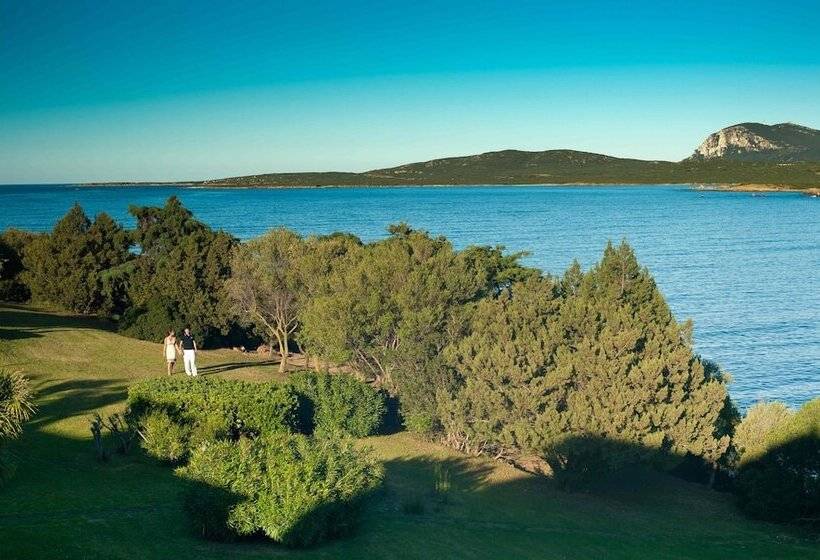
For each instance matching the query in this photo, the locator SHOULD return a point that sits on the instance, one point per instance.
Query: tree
(589, 373)
(265, 284)
(13, 243)
(779, 480)
(67, 267)
(761, 419)
(390, 308)
(178, 279)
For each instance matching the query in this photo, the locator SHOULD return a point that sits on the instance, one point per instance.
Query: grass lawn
(63, 504)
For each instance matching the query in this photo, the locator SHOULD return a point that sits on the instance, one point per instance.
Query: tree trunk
(712, 474)
(283, 352)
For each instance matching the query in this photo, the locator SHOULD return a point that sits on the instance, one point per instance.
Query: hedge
(338, 404)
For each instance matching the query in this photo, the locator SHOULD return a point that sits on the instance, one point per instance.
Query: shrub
(749, 439)
(298, 491)
(16, 407)
(218, 405)
(339, 403)
(208, 508)
(12, 245)
(165, 439)
(590, 372)
(780, 481)
(91, 248)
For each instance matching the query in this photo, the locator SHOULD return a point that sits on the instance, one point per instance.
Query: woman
(169, 350)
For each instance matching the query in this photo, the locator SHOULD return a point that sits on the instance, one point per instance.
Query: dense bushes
(252, 472)
(390, 307)
(16, 407)
(338, 404)
(296, 490)
(178, 279)
(590, 372)
(69, 267)
(779, 479)
(13, 243)
(216, 404)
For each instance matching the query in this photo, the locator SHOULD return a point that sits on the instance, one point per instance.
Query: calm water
(744, 268)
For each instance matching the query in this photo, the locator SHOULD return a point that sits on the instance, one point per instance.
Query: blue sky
(187, 90)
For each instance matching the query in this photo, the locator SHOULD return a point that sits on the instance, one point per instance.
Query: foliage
(590, 372)
(390, 307)
(217, 406)
(16, 406)
(264, 286)
(16, 403)
(340, 404)
(207, 508)
(164, 438)
(749, 439)
(121, 426)
(178, 279)
(657, 517)
(779, 479)
(13, 243)
(68, 267)
(299, 491)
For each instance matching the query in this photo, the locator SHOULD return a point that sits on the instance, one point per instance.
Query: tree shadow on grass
(233, 366)
(64, 399)
(35, 322)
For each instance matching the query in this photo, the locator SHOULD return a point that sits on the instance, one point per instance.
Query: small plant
(121, 425)
(165, 439)
(96, 432)
(16, 407)
(442, 484)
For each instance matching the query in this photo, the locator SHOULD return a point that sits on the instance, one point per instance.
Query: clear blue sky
(186, 90)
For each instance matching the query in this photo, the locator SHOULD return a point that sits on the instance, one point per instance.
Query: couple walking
(186, 345)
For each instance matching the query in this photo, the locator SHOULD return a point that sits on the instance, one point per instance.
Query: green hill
(732, 156)
(62, 504)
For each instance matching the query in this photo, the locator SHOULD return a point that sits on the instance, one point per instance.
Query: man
(188, 344)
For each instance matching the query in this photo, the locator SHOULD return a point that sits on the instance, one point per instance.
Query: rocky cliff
(785, 143)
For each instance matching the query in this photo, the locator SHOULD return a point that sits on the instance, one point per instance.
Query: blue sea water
(744, 268)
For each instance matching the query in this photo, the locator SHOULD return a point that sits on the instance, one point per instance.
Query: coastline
(727, 187)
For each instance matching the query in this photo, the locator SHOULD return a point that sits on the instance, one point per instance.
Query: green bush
(779, 480)
(208, 508)
(12, 245)
(165, 439)
(149, 321)
(339, 403)
(298, 491)
(16, 406)
(219, 405)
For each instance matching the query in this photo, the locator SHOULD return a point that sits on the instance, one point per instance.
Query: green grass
(63, 504)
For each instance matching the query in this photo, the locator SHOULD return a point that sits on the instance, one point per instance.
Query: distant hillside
(781, 143)
(512, 167)
(783, 155)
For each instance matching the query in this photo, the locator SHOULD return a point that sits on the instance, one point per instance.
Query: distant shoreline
(727, 187)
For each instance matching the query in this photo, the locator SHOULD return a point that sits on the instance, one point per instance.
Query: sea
(744, 267)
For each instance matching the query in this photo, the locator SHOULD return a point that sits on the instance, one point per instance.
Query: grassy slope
(62, 504)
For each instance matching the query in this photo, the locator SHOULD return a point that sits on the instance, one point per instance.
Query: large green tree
(590, 373)
(178, 279)
(390, 308)
(68, 266)
(12, 246)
